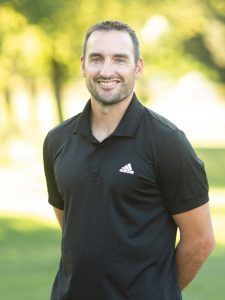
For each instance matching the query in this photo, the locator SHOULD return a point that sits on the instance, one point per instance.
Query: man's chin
(108, 101)
(107, 98)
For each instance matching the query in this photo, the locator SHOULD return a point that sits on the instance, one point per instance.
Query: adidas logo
(127, 169)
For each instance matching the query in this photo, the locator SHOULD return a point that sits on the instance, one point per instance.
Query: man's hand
(196, 242)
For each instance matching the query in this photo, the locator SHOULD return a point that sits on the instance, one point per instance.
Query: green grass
(214, 160)
(29, 256)
(209, 283)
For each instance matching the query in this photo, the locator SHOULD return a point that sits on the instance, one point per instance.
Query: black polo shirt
(118, 195)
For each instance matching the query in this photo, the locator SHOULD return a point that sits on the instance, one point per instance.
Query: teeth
(110, 83)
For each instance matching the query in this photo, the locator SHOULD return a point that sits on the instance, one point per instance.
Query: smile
(108, 84)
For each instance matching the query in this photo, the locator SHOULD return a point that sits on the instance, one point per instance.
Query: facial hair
(121, 93)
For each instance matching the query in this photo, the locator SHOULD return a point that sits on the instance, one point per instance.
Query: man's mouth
(108, 84)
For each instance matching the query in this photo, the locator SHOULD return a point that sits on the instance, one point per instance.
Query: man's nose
(107, 69)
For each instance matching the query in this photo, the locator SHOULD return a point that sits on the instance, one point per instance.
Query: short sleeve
(54, 197)
(182, 176)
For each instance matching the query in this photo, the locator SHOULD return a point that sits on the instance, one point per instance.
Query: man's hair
(117, 26)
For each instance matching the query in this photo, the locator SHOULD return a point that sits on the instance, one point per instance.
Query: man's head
(117, 26)
(111, 62)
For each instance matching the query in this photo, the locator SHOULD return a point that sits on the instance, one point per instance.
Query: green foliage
(43, 39)
(11, 26)
(188, 43)
(38, 10)
(62, 25)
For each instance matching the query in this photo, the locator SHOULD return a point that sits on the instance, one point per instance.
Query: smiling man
(110, 72)
(122, 179)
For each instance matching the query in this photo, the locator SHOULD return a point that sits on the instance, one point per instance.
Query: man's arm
(59, 215)
(196, 242)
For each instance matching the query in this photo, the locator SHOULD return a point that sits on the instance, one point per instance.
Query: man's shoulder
(163, 136)
(62, 130)
(158, 126)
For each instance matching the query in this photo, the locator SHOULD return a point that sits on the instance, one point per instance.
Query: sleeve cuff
(189, 204)
(56, 204)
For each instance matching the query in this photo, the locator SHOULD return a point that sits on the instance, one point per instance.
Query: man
(122, 179)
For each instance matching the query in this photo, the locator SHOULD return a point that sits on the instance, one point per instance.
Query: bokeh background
(183, 46)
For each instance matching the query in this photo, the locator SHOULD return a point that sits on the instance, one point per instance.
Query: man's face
(109, 66)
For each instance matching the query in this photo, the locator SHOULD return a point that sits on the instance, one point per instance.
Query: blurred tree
(11, 25)
(64, 23)
(194, 38)
(176, 37)
(208, 45)
(23, 55)
(45, 15)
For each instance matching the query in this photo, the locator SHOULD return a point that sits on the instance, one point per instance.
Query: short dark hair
(117, 26)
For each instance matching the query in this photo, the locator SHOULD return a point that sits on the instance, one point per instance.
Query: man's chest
(116, 164)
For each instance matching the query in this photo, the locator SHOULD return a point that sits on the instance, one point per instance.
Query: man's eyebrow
(92, 54)
(124, 55)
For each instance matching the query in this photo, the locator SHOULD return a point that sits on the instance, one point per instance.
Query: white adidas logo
(127, 169)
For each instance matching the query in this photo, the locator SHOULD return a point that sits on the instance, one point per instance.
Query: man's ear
(139, 68)
(82, 66)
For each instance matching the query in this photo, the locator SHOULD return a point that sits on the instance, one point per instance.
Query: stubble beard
(122, 94)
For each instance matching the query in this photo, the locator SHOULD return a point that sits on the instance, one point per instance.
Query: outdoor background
(183, 46)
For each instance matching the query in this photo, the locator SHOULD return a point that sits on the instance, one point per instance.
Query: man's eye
(96, 59)
(120, 60)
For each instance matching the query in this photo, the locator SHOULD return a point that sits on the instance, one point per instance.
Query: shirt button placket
(94, 167)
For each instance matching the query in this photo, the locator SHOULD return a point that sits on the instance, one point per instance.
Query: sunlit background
(183, 47)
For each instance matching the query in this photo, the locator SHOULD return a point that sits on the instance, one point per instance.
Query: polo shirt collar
(127, 126)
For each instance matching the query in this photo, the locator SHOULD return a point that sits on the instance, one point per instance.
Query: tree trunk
(32, 87)
(57, 87)
(9, 110)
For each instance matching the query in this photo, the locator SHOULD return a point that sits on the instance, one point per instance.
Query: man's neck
(105, 118)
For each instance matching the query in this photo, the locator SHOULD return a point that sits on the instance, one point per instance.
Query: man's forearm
(190, 258)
